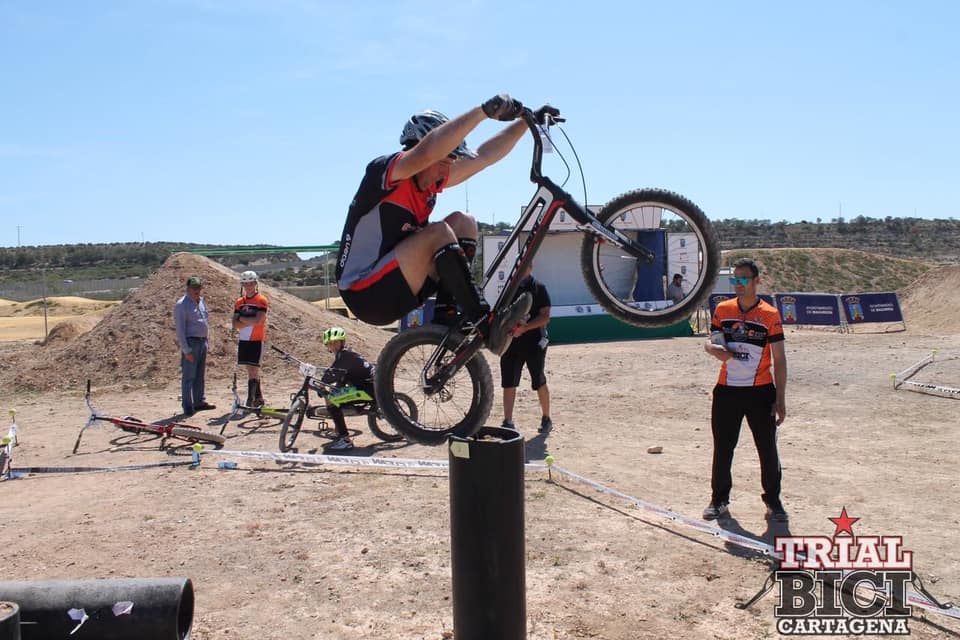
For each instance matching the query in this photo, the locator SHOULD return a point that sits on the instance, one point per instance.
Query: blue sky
(242, 121)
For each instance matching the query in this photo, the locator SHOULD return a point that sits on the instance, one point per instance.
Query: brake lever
(548, 115)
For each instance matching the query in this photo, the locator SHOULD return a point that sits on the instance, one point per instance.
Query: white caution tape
(912, 596)
(320, 458)
(699, 525)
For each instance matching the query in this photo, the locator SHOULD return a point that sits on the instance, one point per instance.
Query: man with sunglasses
(747, 337)
(391, 258)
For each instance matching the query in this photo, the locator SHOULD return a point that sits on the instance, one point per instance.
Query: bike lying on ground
(623, 260)
(174, 430)
(261, 411)
(352, 401)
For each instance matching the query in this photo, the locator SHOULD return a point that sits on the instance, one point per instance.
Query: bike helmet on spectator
(422, 123)
(249, 276)
(333, 334)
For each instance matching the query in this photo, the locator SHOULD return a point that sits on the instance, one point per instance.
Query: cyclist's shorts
(511, 367)
(249, 352)
(388, 299)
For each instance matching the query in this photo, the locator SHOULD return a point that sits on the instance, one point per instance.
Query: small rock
(656, 449)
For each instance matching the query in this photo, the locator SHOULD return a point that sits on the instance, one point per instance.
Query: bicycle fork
(436, 373)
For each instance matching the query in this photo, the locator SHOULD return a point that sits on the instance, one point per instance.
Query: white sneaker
(343, 444)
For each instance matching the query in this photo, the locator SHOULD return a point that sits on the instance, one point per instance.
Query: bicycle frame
(165, 431)
(548, 201)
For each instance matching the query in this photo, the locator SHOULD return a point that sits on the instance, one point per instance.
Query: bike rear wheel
(195, 435)
(458, 408)
(381, 427)
(292, 422)
(675, 228)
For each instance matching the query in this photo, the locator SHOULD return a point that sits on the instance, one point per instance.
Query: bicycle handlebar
(301, 364)
(544, 117)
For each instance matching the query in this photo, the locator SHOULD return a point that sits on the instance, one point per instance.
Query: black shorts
(387, 300)
(511, 366)
(249, 352)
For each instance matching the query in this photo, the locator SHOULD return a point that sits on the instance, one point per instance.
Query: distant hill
(936, 240)
(111, 270)
(829, 270)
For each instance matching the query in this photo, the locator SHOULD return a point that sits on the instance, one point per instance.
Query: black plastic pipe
(9, 621)
(487, 535)
(115, 609)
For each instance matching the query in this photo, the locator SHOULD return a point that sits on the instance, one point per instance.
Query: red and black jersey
(383, 213)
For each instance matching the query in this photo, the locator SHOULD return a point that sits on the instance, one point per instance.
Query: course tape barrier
(902, 379)
(21, 472)
(322, 458)
(912, 597)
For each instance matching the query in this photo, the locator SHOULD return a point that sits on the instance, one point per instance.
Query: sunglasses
(740, 281)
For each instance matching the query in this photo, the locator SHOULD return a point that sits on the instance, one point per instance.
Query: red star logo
(844, 523)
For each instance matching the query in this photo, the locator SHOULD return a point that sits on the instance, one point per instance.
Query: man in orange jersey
(747, 337)
(250, 320)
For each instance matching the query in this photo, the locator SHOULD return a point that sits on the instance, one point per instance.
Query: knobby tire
(195, 435)
(290, 428)
(386, 431)
(592, 256)
(459, 409)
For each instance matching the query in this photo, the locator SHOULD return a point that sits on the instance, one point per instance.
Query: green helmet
(333, 334)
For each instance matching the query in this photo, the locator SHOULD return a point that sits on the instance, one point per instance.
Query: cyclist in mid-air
(349, 369)
(391, 258)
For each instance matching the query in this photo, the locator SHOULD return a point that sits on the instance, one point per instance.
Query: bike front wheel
(292, 422)
(682, 240)
(195, 435)
(459, 407)
(381, 427)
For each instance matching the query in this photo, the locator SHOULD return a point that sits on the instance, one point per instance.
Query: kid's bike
(352, 401)
(624, 263)
(239, 408)
(174, 430)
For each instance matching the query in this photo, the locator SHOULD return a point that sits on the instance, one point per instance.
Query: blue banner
(872, 307)
(809, 308)
(720, 297)
(418, 317)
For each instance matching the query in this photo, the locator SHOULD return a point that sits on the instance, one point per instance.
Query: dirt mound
(932, 302)
(56, 305)
(70, 329)
(135, 342)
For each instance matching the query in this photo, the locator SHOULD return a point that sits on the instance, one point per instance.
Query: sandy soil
(300, 551)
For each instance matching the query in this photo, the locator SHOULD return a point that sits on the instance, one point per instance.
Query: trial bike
(352, 401)
(623, 260)
(170, 430)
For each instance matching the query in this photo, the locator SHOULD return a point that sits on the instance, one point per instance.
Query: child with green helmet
(349, 371)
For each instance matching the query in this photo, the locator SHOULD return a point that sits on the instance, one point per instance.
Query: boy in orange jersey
(250, 319)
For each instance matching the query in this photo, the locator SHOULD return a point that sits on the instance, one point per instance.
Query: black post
(9, 621)
(117, 609)
(487, 536)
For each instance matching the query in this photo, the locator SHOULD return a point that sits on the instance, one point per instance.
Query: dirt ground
(299, 551)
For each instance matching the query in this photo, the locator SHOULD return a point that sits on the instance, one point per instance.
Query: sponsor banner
(872, 307)
(809, 308)
(418, 317)
(716, 298)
